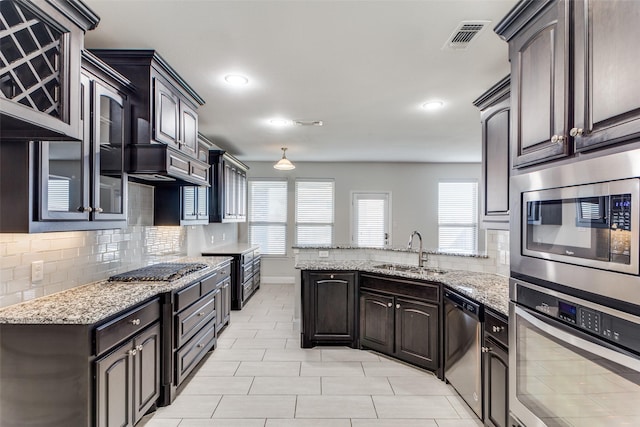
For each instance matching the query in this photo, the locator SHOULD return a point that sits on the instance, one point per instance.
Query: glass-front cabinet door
(109, 182)
(64, 166)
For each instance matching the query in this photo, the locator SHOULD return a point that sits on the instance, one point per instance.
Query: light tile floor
(260, 377)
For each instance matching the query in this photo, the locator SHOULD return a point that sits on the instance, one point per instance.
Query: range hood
(160, 163)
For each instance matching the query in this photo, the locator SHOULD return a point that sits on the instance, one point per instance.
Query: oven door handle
(579, 339)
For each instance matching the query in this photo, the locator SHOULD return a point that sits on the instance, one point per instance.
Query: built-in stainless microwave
(594, 225)
(577, 225)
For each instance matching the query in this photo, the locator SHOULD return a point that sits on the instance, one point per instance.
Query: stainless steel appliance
(576, 226)
(462, 343)
(572, 362)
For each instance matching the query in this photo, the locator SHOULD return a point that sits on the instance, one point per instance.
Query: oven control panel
(617, 330)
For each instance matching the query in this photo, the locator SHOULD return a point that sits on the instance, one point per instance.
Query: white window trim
(286, 223)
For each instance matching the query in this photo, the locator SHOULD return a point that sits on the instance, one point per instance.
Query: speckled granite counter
(94, 302)
(396, 249)
(491, 290)
(232, 248)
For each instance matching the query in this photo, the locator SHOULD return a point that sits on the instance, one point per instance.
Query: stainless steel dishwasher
(462, 348)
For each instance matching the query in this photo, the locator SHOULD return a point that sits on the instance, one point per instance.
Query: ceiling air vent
(464, 33)
(308, 122)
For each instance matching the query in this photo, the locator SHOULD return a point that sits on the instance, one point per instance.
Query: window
(58, 194)
(370, 219)
(314, 212)
(458, 216)
(268, 216)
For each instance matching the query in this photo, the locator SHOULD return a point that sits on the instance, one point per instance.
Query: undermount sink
(409, 269)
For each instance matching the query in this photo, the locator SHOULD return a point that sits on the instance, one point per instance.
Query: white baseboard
(277, 280)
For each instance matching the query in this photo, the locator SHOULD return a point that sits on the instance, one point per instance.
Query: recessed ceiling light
(432, 105)
(280, 122)
(236, 79)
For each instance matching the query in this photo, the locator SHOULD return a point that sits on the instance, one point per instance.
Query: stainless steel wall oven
(572, 362)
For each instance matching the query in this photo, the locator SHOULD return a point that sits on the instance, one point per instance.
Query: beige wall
(414, 195)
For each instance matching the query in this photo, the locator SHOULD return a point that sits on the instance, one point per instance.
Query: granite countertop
(94, 302)
(395, 249)
(492, 290)
(232, 248)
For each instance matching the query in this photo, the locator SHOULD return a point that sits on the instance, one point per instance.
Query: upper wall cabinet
(606, 63)
(40, 48)
(573, 85)
(494, 118)
(228, 199)
(539, 81)
(165, 119)
(72, 185)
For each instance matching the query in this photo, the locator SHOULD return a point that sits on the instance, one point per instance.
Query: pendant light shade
(284, 164)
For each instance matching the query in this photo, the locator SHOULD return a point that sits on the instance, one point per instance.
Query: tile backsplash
(75, 258)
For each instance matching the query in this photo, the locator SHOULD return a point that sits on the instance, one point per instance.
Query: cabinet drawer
(209, 284)
(191, 320)
(188, 356)
(247, 258)
(496, 327)
(421, 290)
(187, 296)
(224, 272)
(200, 171)
(130, 323)
(177, 164)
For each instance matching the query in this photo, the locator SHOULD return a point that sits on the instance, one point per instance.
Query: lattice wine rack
(29, 58)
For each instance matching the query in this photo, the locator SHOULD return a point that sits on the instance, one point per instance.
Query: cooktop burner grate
(163, 272)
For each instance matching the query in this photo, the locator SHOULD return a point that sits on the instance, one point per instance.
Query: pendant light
(284, 164)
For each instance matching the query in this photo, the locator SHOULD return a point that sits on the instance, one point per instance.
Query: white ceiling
(362, 67)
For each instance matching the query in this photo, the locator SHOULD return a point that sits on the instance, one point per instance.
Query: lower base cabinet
(128, 380)
(400, 327)
(496, 371)
(328, 309)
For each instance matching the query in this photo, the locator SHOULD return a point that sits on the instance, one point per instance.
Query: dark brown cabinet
(397, 325)
(165, 119)
(540, 84)
(606, 102)
(40, 72)
(180, 205)
(494, 108)
(228, 200)
(496, 370)
(329, 308)
(128, 380)
(73, 185)
(563, 55)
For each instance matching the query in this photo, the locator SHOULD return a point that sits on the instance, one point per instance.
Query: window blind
(268, 216)
(458, 216)
(314, 212)
(58, 194)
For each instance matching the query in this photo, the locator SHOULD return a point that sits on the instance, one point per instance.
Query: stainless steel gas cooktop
(163, 272)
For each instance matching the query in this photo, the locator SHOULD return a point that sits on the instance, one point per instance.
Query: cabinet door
(496, 385)
(64, 166)
(539, 86)
(607, 88)
(330, 308)
(417, 330)
(188, 130)
(495, 168)
(146, 383)
(225, 297)
(229, 192)
(377, 322)
(114, 388)
(110, 181)
(202, 199)
(166, 115)
(189, 211)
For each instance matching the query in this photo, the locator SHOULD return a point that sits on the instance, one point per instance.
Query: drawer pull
(132, 352)
(139, 347)
(201, 345)
(497, 328)
(134, 322)
(202, 313)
